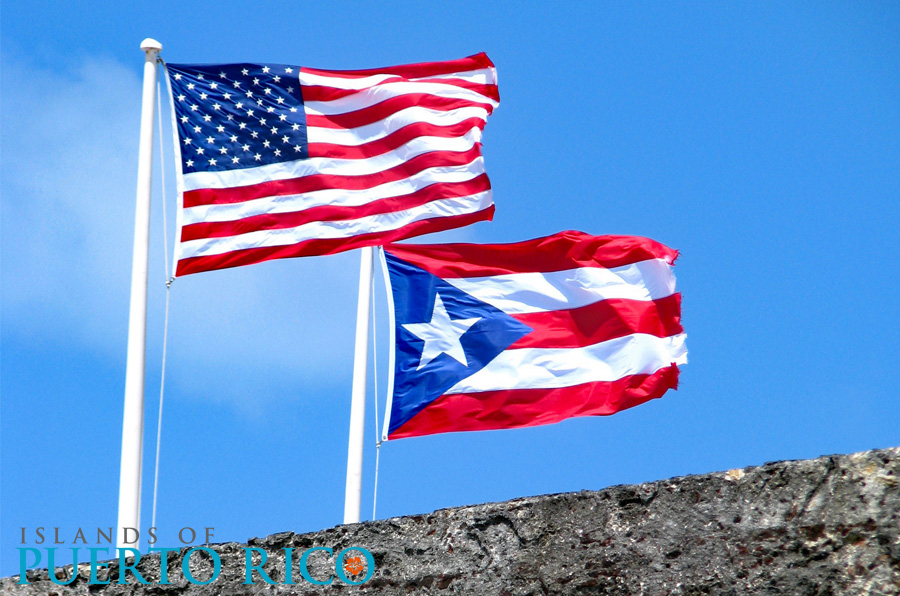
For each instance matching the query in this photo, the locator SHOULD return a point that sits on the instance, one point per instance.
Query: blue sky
(761, 140)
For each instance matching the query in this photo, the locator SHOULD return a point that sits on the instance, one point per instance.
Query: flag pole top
(151, 45)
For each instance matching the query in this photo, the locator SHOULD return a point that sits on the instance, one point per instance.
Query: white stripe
(535, 368)
(379, 93)
(336, 229)
(337, 81)
(382, 128)
(326, 165)
(333, 196)
(518, 293)
(481, 76)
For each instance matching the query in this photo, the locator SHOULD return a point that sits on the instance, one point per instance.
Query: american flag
(282, 161)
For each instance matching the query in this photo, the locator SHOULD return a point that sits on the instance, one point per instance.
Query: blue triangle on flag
(415, 292)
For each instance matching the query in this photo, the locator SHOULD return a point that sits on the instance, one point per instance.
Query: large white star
(441, 335)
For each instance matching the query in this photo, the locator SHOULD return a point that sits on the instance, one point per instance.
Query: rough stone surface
(824, 526)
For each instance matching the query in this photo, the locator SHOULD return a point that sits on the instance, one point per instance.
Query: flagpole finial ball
(150, 44)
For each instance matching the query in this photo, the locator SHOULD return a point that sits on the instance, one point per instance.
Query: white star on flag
(441, 335)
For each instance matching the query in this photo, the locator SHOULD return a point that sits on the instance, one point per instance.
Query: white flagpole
(353, 492)
(133, 420)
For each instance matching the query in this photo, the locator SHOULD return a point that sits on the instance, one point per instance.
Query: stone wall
(825, 526)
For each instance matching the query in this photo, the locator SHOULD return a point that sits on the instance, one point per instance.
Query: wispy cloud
(69, 141)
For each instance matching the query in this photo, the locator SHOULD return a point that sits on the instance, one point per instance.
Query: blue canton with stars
(233, 116)
(414, 291)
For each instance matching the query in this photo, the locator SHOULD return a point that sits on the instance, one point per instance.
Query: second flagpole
(353, 491)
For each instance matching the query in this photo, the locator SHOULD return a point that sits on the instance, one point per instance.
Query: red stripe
(324, 93)
(565, 250)
(278, 221)
(517, 408)
(390, 106)
(411, 71)
(328, 246)
(396, 139)
(601, 321)
(304, 184)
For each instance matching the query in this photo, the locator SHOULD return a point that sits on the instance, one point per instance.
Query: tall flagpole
(353, 492)
(133, 420)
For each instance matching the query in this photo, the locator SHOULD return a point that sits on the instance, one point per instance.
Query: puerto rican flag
(513, 335)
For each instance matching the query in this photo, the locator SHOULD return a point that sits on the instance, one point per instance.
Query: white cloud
(68, 173)
(281, 324)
